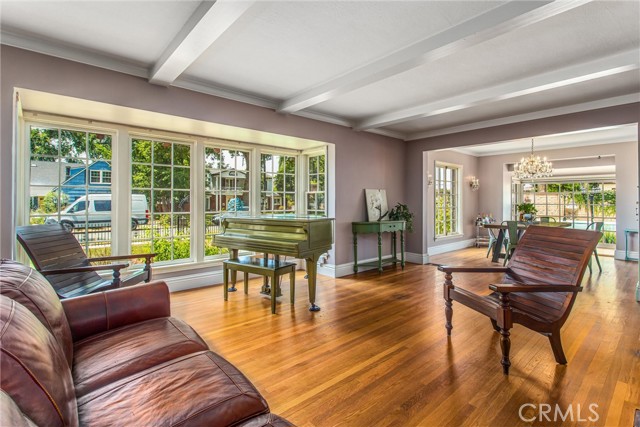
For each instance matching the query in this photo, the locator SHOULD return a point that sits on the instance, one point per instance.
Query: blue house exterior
(75, 185)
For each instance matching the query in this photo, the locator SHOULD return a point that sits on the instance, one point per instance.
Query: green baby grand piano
(298, 237)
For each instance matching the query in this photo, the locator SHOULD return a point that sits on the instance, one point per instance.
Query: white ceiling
(408, 69)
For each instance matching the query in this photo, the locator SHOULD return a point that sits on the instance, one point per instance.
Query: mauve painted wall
(363, 160)
(414, 172)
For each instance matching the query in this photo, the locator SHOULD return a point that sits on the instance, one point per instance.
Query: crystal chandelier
(532, 167)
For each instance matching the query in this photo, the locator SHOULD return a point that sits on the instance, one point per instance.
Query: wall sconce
(474, 183)
(429, 179)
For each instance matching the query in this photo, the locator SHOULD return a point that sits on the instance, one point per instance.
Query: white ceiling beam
(491, 24)
(563, 77)
(210, 20)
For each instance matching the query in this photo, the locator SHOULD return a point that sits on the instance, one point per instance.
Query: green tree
(50, 202)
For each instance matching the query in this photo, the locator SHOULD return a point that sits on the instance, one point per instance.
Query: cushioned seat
(109, 356)
(114, 358)
(201, 389)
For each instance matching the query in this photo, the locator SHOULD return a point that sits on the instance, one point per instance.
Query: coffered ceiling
(408, 69)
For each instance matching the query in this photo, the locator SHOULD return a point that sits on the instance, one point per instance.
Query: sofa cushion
(32, 290)
(193, 390)
(112, 355)
(34, 369)
(10, 414)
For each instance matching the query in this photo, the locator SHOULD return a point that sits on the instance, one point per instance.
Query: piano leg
(312, 268)
(234, 273)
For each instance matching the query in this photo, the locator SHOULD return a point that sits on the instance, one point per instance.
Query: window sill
(448, 237)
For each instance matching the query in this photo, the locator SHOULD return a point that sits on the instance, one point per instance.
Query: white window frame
(458, 200)
(102, 174)
(170, 140)
(121, 162)
(24, 164)
(296, 193)
(304, 175)
(203, 212)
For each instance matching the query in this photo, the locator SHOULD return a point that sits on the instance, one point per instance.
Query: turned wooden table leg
(448, 302)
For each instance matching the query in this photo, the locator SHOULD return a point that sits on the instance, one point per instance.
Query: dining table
(522, 226)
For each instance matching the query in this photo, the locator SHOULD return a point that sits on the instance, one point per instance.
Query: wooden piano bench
(270, 268)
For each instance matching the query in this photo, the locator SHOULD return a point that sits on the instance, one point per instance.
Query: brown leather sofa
(114, 358)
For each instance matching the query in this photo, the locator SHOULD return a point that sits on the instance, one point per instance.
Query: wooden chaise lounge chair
(58, 255)
(537, 290)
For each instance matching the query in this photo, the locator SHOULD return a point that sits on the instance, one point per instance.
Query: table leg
(355, 252)
(498, 246)
(380, 252)
(393, 247)
(312, 264)
(402, 248)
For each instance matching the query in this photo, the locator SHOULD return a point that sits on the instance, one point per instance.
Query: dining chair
(546, 219)
(493, 240)
(512, 233)
(595, 226)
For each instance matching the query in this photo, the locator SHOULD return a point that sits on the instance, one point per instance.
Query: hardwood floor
(377, 354)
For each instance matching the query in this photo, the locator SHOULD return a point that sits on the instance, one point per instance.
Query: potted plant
(527, 211)
(400, 212)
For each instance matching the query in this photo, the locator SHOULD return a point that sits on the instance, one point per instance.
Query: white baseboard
(192, 281)
(620, 254)
(415, 258)
(450, 247)
(341, 270)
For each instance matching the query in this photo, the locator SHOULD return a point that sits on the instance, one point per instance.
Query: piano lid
(297, 236)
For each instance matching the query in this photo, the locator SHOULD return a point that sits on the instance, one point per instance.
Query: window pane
(99, 146)
(73, 144)
(181, 201)
(181, 155)
(181, 178)
(162, 153)
(141, 151)
(141, 176)
(162, 177)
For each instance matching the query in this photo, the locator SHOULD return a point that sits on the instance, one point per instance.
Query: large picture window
(166, 194)
(62, 189)
(161, 178)
(278, 184)
(447, 200)
(227, 182)
(579, 202)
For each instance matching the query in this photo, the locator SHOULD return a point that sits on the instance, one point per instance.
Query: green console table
(380, 227)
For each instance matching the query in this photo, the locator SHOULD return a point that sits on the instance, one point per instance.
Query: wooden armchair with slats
(537, 290)
(58, 256)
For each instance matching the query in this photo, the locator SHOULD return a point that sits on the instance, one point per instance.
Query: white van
(94, 210)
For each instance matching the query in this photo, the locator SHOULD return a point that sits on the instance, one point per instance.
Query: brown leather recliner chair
(112, 358)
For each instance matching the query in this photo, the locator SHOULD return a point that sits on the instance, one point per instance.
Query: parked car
(94, 210)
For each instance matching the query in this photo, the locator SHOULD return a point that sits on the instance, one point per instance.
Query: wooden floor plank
(377, 353)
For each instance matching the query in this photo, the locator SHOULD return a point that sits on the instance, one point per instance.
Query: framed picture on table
(377, 208)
